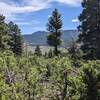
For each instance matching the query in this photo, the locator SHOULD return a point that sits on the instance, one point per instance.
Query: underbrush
(39, 78)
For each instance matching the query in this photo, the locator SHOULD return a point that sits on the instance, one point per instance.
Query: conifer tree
(46, 55)
(90, 29)
(50, 53)
(4, 37)
(54, 27)
(16, 44)
(38, 51)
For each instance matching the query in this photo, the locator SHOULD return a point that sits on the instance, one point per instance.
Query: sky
(32, 15)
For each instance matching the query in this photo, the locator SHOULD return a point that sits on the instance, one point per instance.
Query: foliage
(54, 27)
(90, 29)
(36, 78)
(16, 44)
(4, 35)
(91, 80)
(75, 53)
(50, 53)
(10, 37)
(38, 51)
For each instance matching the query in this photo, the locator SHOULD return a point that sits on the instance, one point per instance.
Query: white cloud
(70, 2)
(75, 20)
(30, 23)
(14, 9)
(11, 8)
(22, 23)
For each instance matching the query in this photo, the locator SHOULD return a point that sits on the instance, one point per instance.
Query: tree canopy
(54, 27)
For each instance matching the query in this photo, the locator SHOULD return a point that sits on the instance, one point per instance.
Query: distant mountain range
(40, 37)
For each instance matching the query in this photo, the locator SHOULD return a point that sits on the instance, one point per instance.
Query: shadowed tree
(38, 51)
(16, 44)
(4, 37)
(54, 27)
(91, 79)
(50, 53)
(90, 29)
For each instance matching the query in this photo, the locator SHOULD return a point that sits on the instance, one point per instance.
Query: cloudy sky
(32, 15)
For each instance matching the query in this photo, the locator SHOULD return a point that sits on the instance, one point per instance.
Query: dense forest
(55, 75)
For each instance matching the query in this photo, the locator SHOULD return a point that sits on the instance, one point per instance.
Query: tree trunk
(64, 93)
(56, 50)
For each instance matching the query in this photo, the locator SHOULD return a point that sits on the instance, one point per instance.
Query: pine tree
(46, 55)
(73, 49)
(90, 29)
(54, 27)
(50, 53)
(4, 37)
(16, 39)
(75, 52)
(38, 51)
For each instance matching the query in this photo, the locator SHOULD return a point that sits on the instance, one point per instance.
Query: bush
(54, 78)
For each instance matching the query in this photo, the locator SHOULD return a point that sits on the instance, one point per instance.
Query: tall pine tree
(54, 27)
(90, 29)
(4, 37)
(16, 39)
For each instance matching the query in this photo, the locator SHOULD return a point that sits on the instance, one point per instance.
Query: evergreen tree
(90, 29)
(4, 37)
(75, 52)
(54, 25)
(38, 51)
(50, 53)
(91, 79)
(73, 49)
(16, 39)
(46, 55)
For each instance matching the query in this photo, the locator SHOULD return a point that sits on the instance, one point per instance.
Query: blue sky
(32, 15)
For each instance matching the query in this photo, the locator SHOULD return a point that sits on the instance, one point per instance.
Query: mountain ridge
(39, 37)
